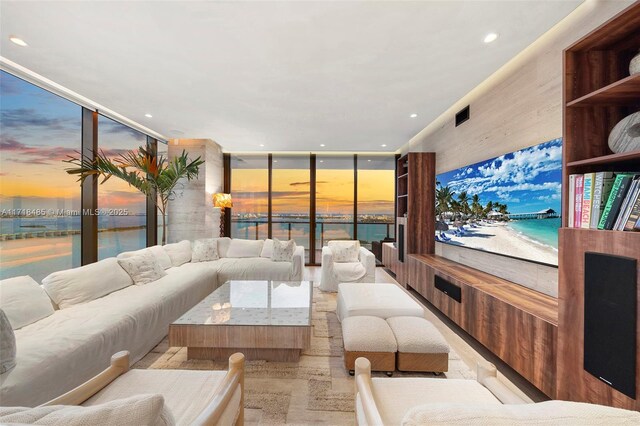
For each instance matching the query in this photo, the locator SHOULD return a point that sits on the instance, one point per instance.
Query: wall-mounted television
(509, 205)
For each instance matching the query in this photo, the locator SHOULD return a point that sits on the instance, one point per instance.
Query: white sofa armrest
(297, 264)
(368, 260)
(327, 256)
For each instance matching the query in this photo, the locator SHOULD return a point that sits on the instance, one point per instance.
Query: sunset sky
(39, 131)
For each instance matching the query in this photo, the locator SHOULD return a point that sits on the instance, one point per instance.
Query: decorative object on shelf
(153, 175)
(625, 136)
(223, 201)
(634, 65)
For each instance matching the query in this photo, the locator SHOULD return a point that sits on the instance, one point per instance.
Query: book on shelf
(577, 200)
(604, 200)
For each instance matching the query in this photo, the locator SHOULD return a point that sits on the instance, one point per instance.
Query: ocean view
(543, 231)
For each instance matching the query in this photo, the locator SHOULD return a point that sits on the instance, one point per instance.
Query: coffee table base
(223, 354)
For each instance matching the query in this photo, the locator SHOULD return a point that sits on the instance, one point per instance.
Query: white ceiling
(289, 75)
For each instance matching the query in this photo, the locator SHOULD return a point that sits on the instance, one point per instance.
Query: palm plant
(463, 200)
(444, 199)
(476, 207)
(154, 176)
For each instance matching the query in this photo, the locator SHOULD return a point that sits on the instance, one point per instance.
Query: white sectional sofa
(97, 311)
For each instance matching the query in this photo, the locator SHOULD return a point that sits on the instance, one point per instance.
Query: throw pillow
(245, 248)
(7, 344)
(179, 253)
(205, 250)
(136, 410)
(143, 268)
(283, 252)
(158, 251)
(345, 251)
(80, 285)
(267, 248)
(24, 301)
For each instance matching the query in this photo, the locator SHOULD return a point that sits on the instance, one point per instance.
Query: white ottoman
(372, 338)
(421, 347)
(378, 300)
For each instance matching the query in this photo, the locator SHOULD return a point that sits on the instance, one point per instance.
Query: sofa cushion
(251, 268)
(283, 251)
(244, 248)
(145, 409)
(267, 248)
(396, 397)
(143, 268)
(24, 301)
(378, 300)
(80, 285)
(158, 251)
(186, 392)
(563, 413)
(179, 253)
(345, 251)
(349, 271)
(205, 250)
(7, 344)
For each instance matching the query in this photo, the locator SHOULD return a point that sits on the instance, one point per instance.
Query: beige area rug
(317, 389)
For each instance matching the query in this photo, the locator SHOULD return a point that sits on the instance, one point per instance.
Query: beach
(499, 237)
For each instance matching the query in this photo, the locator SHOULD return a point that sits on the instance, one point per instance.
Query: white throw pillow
(543, 413)
(180, 253)
(158, 251)
(143, 268)
(245, 248)
(345, 251)
(142, 409)
(267, 249)
(89, 282)
(7, 344)
(205, 250)
(24, 301)
(223, 246)
(283, 252)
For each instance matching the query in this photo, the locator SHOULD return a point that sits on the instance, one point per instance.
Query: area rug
(316, 389)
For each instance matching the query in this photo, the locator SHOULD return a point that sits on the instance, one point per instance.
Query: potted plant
(154, 176)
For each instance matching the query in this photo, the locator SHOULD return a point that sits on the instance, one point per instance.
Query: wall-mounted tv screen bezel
(524, 188)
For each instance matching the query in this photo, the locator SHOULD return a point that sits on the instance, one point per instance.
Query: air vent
(462, 116)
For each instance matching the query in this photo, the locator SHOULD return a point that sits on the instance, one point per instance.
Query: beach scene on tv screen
(508, 205)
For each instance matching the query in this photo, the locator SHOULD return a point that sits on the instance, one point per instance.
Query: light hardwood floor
(466, 346)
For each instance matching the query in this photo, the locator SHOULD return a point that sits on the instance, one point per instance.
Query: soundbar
(451, 290)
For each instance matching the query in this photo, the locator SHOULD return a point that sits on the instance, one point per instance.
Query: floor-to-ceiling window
(376, 195)
(250, 196)
(39, 201)
(334, 198)
(340, 196)
(122, 220)
(290, 198)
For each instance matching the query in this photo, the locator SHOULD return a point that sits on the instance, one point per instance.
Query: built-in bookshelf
(598, 93)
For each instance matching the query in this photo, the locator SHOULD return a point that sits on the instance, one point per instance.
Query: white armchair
(341, 269)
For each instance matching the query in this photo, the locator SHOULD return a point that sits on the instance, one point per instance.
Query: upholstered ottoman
(372, 338)
(378, 300)
(421, 347)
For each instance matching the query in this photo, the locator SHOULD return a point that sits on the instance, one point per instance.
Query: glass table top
(277, 303)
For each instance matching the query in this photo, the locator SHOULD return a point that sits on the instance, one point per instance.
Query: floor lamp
(222, 201)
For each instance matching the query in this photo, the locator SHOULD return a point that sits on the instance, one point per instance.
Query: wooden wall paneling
(574, 383)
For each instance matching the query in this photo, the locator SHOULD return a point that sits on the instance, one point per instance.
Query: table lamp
(223, 201)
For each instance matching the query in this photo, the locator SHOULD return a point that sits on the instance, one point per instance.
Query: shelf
(599, 231)
(403, 195)
(403, 176)
(607, 159)
(622, 92)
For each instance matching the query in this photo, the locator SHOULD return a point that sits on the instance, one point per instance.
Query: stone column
(191, 214)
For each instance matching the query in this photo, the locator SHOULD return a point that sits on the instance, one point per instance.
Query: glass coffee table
(268, 320)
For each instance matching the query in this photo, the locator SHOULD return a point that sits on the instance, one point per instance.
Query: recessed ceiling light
(414, 115)
(275, 161)
(148, 115)
(322, 161)
(322, 144)
(383, 145)
(261, 144)
(490, 37)
(369, 160)
(18, 41)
